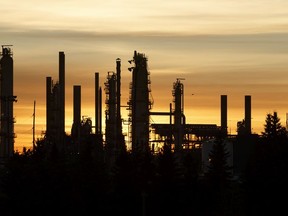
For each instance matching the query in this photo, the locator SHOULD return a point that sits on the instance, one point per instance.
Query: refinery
(142, 135)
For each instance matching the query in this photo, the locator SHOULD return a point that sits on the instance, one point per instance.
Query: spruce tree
(219, 172)
(274, 133)
(218, 178)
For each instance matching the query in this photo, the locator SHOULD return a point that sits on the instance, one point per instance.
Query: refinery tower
(6, 104)
(139, 103)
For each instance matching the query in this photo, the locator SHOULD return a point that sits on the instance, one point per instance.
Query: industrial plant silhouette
(186, 169)
(178, 134)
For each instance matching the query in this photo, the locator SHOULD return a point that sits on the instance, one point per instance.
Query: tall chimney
(77, 104)
(62, 98)
(224, 114)
(100, 111)
(76, 127)
(118, 75)
(248, 114)
(48, 104)
(96, 103)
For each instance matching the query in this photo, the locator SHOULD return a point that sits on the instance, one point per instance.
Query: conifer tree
(272, 126)
(219, 172)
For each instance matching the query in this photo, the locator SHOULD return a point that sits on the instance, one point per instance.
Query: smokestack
(76, 127)
(62, 96)
(100, 111)
(224, 114)
(48, 104)
(248, 114)
(77, 104)
(96, 103)
(118, 75)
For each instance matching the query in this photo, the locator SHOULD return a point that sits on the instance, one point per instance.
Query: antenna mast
(34, 126)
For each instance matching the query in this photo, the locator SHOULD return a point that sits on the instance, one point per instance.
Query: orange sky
(235, 48)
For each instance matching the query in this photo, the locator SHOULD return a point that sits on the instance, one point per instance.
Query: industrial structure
(76, 126)
(140, 103)
(176, 133)
(224, 114)
(7, 99)
(98, 106)
(55, 108)
(142, 135)
(248, 114)
(82, 136)
(114, 138)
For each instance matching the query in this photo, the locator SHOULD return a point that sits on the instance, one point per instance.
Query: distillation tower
(178, 134)
(173, 134)
(179, 118)
(6, 103)
(110, 112)
(139, 104)
(115, 142)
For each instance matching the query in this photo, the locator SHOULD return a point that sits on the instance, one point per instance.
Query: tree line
(149, 184)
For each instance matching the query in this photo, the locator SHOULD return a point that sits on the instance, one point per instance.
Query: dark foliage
(219, 172)
(267, 175)
(168, 183)
(218, 178)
